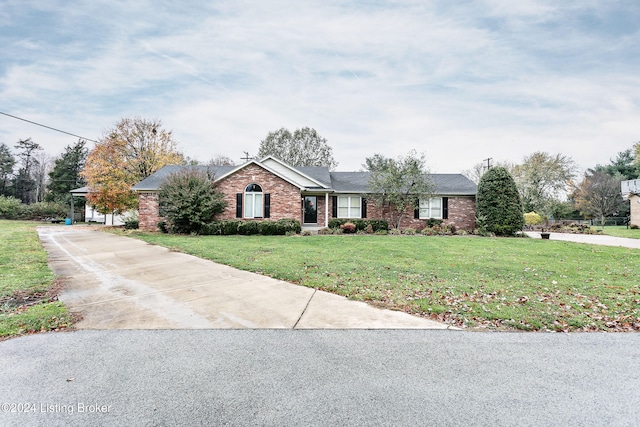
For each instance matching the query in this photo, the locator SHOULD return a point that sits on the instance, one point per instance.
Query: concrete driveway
(118, 282)
(592, 239)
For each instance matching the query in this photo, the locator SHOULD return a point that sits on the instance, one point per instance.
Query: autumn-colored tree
(130, 152)
(399, 184)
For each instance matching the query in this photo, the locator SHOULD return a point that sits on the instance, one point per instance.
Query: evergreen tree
(498, 203)
(24, 184)
(65, 175)
(7, 161)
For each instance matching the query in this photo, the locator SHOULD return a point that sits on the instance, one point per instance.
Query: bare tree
(598, 195)
(303, 147)
(40, 174)
(220, 160)
(543, 179)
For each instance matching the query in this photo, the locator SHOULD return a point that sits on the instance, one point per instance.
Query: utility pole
(488, 162)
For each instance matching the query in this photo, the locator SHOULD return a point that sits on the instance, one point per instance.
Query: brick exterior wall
(462, 213)
(286, 202)
(635, 209)
(148, 215)
(285, 197)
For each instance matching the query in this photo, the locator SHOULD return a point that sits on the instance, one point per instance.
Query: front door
(310, 210)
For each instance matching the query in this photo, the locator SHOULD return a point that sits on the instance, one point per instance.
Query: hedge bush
(12, 208)
(45, 210)
(361, 224)
(247, 228)
(498, 203)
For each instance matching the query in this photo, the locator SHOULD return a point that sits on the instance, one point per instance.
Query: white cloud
(462, 81)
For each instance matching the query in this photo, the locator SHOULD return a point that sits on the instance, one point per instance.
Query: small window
(431, 208)
(349, 206)
(253, 201)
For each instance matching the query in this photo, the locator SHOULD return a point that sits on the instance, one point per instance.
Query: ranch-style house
(272, 189)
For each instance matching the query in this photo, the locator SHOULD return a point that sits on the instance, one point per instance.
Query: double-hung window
(349, 206)
(253, 201)
(431, 208)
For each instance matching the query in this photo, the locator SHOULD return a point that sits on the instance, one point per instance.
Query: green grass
(27, 303)
(619, 231)
(496, 283)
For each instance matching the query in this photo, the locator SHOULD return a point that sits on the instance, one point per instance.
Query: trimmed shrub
(162, 226)
(431, 222)
(230, 227)
(498, 203)
(325, 231)
(361, 224)
(348, 228)
(532, 218)
(131, 223)
(378, 224)
(336, 222)
(248, 228)
(290, 225)
(634, 227)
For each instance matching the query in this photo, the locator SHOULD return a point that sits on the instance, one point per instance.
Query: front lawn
(28, 300)
(473, 282)
(619, 231)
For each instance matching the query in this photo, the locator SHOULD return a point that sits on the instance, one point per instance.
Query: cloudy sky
(459, 80)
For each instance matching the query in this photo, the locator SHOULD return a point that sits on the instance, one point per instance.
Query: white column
(326, 210)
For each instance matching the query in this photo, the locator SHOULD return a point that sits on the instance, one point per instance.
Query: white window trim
(425, 208)
(252, 196)
(349, 206)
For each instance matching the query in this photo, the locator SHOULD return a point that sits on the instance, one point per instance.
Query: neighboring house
(272, 189)
(92, 215)
(631, 190)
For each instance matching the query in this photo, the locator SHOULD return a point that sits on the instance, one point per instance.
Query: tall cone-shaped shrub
(498, 203)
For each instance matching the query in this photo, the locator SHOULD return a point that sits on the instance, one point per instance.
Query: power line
(48, 127)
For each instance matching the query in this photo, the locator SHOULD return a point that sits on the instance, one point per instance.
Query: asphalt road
(319, 377)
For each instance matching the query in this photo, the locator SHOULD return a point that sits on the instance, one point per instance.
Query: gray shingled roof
(342, 182)
(152, 182)
(448, 184)
(319, 173)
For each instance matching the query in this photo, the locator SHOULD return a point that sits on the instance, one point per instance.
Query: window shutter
(334, 207)
(445, 208)
(267, 205)
(416, 209)
(238, 205)
(364, 208)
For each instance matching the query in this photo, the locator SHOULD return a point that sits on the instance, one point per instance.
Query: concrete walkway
(117, 282)
(592, 239)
